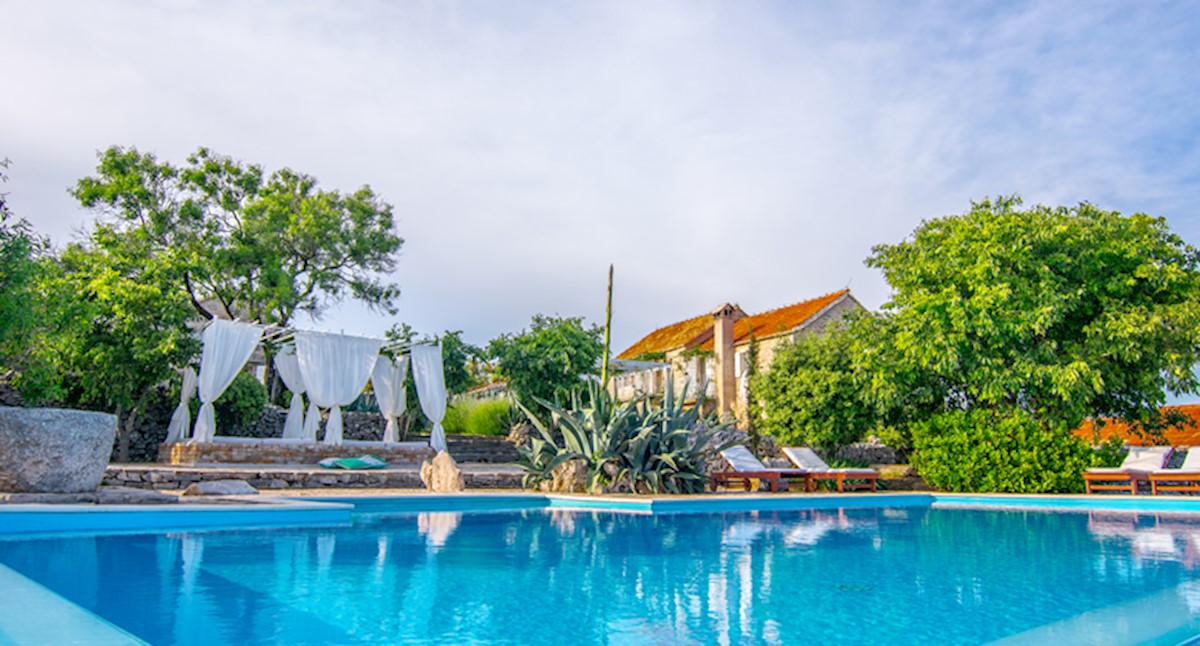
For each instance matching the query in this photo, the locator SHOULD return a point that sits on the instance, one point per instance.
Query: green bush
(242, 403)
(455, 421)
(1002, 452)
(488, 417)
(477, 417)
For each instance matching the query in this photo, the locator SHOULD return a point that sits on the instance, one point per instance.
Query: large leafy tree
(549, 359)
(262, 246)
(835, 388)
(1060, 312)
(125, 329)
(24, 312)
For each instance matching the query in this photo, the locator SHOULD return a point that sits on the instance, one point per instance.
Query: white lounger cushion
(805, 458)
(741, 459)
(1139, 458)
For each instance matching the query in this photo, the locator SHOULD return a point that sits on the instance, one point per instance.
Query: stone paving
(281, 477)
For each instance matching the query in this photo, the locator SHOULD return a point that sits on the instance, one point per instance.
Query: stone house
(712, 349)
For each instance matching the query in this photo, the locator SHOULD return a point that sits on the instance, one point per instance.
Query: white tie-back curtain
(227, 346)
(431, 389)
(388, 381)
(288, 367)
(335, 369)
(180, 420)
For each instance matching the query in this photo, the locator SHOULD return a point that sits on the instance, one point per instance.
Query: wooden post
(607, 333)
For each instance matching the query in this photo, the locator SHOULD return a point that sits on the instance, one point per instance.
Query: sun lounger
(853, 479)
(1185, 479)
(361, 462)
(744, 468)
(1135, 469)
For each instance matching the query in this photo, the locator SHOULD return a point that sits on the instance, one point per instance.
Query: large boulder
(442, 475)
(50, 450)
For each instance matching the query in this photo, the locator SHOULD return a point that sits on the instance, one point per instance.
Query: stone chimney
(723, 319)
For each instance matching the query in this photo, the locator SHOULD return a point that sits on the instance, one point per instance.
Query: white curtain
(388, 381)
(227, 347)
(335, 368)
(431, 389)
(180, 420)
(288, 367)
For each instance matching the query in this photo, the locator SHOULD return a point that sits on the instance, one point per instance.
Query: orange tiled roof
(669, 337)
(778, 321)
(765, 324)
(1175, 436)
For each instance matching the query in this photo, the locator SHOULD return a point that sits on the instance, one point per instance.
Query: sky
(740, 151)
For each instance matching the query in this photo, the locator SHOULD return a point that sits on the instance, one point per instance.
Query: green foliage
(242, 403)
(1001, 452)
(1111, 452)
(548, 360)
(488, 417)
(1063, 312)
(632, 446)
(263, 246)
(820, 391)
(458, 361)
(25, 314)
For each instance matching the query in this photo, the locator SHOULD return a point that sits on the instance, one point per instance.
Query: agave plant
(632, 445)
(668, 452)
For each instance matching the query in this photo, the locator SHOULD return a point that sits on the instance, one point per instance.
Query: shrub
(455, 421)
(242, 403)
(999, 451)
(487, 417)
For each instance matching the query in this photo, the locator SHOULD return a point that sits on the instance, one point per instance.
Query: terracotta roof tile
(669, 337)
(1188, 435)
(778, 321)
(766, 324)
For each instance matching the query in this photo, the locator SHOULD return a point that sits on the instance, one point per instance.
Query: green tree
(261, 246)
(24, 317)
(1062, 312)
(549, 359)
(128, 330)
(1029, 320)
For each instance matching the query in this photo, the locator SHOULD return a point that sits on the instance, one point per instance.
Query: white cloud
(713, 151)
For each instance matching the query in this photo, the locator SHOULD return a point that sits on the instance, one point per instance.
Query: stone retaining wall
(174, 478)
(410, 453)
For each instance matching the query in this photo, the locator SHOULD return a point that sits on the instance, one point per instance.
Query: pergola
(331, 369)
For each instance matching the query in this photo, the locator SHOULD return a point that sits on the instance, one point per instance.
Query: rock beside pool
(568, 477)
(52, 450)
(442, 475)
(220, 488)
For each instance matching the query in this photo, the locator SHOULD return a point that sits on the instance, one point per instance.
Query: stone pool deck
(297, 476)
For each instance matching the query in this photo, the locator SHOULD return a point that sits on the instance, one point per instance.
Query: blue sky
(751, 152)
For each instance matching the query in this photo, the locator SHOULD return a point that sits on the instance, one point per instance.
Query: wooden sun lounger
(744, 467)
(1185, 479)
(772, 477)
(846, 479)
(1139, 463)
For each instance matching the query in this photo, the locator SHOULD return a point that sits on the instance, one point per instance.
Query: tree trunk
(122, 436)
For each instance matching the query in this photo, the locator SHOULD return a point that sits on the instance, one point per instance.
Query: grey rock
(47, 498)
(220, 488)
(51, 450)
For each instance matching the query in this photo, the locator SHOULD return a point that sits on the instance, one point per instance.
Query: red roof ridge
(657, 340)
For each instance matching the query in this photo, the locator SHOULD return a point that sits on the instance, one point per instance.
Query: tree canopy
(550, 358)
(1065, 312)
(260, 245)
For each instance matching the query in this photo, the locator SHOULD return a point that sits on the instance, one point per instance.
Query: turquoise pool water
(908, 575)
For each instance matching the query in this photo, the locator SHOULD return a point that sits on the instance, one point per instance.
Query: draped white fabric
(388, 381)
(181, 419)
(335, 369)
(227, 345)
(431, 389)
(288, 367)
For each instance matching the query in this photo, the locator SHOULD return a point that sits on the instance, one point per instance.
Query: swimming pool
(900, 570)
